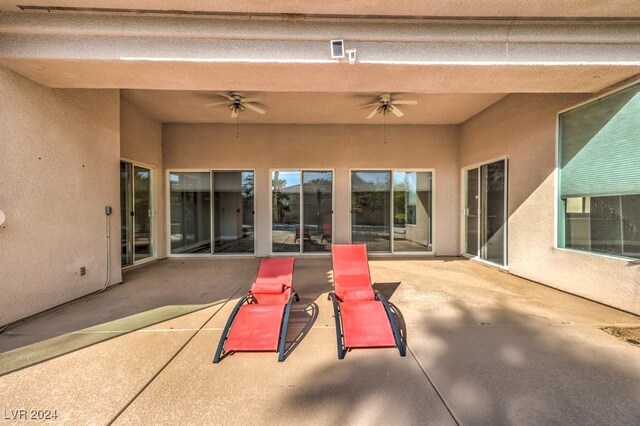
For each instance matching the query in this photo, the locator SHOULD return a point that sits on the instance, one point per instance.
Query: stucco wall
(59, 152)
(524, 128)
(341, 148)
(141, 142)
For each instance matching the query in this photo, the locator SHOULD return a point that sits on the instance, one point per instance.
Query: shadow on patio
(150, 295)
(484, 346)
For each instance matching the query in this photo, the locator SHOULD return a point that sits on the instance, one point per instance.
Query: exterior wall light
(2, 218)
(351, 54)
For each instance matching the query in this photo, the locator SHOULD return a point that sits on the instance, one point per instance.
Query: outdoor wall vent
(337, 49)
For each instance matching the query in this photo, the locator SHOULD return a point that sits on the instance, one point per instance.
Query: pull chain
(386, 120)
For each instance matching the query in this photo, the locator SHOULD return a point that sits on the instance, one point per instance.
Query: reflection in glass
(142, 220)
(233, 212)
(471, 212)
(631, 225)
(190, 215)
(285, 198)
(609, 224)
(370, 209)
(126, 218)
(493, 187)
(411, 211)
(317, 210)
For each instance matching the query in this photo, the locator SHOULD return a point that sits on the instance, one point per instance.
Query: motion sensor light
(337, 49)
(351, 54)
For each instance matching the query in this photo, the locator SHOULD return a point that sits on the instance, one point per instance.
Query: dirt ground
(628, 334)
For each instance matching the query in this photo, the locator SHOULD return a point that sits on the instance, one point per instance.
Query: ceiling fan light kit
(237, 103)
(386, 104)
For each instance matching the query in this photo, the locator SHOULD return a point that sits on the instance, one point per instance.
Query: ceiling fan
(386, 104)
(237, 103)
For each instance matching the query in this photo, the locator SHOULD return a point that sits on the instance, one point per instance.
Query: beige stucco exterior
(325, 147)
(141, 143)
(59, 153)
(82, 91)
(523, 128)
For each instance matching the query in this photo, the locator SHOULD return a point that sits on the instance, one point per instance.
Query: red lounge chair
(261, 324)
(363, 316)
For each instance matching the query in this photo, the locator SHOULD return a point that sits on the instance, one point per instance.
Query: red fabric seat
(366, 325)
(256, 328)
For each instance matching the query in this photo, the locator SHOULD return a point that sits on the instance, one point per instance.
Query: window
(190, 212)
(391, 210)
(302, 211)
(599, 191)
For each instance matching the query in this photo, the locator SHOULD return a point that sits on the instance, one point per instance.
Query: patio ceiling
(170, 66)
(178, 106)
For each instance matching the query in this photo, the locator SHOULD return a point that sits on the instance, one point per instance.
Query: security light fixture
(351, 54)
(337, 49)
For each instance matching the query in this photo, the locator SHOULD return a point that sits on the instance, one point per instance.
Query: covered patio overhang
(281, 54)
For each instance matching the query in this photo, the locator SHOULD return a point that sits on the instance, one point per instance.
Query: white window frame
(392, 252)
(333, 210)
(556, 179)
(463, 194)
(154, 214)
(168, 211)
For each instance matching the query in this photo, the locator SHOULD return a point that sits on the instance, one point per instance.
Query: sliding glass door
(373, 213)
(211, 207)
(411, 211)
(301, 211)
(233, 212)
(370, 207)
(317, 211)
(135, 213)
(190, 212)
(486, 212)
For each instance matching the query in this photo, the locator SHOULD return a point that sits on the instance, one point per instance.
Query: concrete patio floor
(484, 347)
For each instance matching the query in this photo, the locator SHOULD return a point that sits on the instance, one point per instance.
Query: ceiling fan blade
(250, 100)
(374, 112)
(404, 102)
(234, 113)
(216, 104)
(224, 95)
(254, 108)
(368, 105)
(396, 111)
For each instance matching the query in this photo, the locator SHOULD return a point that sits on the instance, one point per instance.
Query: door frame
(463, 194)
(301, 224)
(213, 212)
(391, 252)
(154, 213)
(167, 192)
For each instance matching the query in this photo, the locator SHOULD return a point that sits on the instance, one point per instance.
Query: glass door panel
(233, 212)
(190, 212)
(285, 221)
(370, 209)
(472, 212)
(493, 212)
(142, 215)
(126, 213)
(317, 210)
(411, 211)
